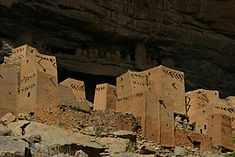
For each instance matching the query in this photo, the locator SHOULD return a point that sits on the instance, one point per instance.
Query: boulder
(127, 154)
(180, 151)
(10, 154)
(80, 153)
(55, 139)
(4, 130)
(13, 145)
(147, 149)
(125, 134)
(8, 118)
(114, 145)
(62, 155)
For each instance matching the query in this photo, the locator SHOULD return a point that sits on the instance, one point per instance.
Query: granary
(212, 116)
(157, 95)
(64, 96)
(154, 95)
(77, 87)
(219, 127)
(105, 97)
(28, 78)
(25, 76)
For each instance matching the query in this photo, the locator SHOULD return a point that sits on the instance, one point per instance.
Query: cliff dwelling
(100, 78)
(156, 95)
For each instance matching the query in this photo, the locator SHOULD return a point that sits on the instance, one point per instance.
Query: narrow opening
(31, 51)
(204, 126)
(212, 117)
(203, 112)
(196, 144)
(201, 131)
(29, 94)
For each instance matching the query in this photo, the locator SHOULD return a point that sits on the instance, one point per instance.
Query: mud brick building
(105, 97)
(28, 78)
(154, 95)
(26, 75)
(78, 88)
(157, 95)
(212, 116)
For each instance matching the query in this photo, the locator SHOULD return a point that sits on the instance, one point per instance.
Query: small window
(31, 51)
(201, 131)
(212, 117)
(203, 112)
(29, 94)
(204, 126)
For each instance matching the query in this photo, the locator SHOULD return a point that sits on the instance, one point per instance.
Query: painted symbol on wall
(162, 103)
(174, 85)
(51, 79)
(44, 69)
(174, 74)
(114, 92)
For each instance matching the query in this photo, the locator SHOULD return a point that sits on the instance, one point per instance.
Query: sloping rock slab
(12, 145)
(57, 139)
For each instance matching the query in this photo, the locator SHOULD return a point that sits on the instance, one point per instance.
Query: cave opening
(90, 80)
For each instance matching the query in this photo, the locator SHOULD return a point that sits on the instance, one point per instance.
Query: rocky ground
(23, 136)
(69, 117)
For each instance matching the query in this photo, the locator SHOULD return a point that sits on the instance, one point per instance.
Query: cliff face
(107, 37)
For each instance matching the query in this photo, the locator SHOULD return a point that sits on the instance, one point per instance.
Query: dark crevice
(23, 128)
(90, 80)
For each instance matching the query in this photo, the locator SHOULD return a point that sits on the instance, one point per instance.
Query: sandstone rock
(34, 139)
(210, 154)
(62, 155)
(55, 138)
(23, 116)
(4, 130)
(10, 154)
(8, 118)
(125, 134)
(147, 149)
(114, 145)
(80, 153)
(40, 150)
(12, 144)
(126, 154)
(180, 151)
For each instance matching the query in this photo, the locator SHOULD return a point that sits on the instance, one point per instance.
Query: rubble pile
(182, 122)
(19, 138)
(95, 122)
